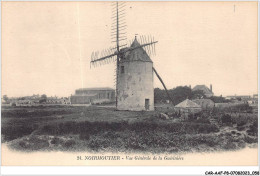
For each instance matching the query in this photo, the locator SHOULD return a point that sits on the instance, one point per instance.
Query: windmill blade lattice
(146, 42)
(104, 57)
(150, 48)
(118, 26)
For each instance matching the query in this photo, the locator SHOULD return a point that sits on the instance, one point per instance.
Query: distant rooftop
(187, 104)
(204, 88)
(84, 95)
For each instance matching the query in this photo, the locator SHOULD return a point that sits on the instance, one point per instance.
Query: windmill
(134, 68)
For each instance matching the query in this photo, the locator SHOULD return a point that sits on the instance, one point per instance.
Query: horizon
(114, 89)
(46, 49)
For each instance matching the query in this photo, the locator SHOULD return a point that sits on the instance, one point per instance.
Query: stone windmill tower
(134, 68)
(135, 77)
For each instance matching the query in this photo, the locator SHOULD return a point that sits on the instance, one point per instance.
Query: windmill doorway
(147, 104)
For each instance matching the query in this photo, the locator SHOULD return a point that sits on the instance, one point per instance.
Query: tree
(43, 96)
(180, 93)
(5, 98)
(159, 95)
(177, 94)
(42, 100)
(219, 99)
(197, 94)
(21, 98)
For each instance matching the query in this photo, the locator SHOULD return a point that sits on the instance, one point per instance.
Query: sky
(47, 46)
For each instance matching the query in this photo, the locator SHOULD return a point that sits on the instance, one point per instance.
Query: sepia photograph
(140, 83)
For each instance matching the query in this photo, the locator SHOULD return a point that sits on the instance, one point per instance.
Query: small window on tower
(122, 69)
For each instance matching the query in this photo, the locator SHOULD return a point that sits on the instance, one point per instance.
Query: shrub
(97, 127)
(239, 134)
(253, 129)
(32, 143)
(22, 144)
(242, 108)
(241, 144)
(96, 143)
(56, 141)
(230, 145)
(211, 142)
(250, 140)
(202, 121)
(84, 136)
(241, 122)
(233, 132)
(35, 143)
(241, 128)
(14, 132)
(207, 128)
(226, 118)
(69, 143)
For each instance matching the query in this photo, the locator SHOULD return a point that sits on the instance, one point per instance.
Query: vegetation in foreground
(103, 129)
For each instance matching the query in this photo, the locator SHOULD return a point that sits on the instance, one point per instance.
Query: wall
(93, 96)
(205, 103)
(135, 85)
(187, 110)
(81, 99)
(102, 94)
(227, 105)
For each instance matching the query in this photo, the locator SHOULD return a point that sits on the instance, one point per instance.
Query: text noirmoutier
(104, 157)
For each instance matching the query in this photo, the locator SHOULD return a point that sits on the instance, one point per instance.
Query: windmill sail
(121, 52)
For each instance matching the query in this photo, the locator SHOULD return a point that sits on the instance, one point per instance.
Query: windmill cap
(138, 54)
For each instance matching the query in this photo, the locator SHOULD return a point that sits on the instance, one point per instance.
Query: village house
(207, 91)
(188, 107)
(253, 102)
(93, 95)
(23, 101)
(245, 99)
(57, 100)
(238, 97)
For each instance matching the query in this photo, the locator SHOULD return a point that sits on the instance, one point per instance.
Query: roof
(204, 88)
(84, 95)
(96, 88)
(187, 104)
(138, 54)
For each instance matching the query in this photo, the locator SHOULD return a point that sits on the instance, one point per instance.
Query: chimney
(211, 87)
(190, 86)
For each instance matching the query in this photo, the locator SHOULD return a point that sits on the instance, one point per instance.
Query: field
(103, 129)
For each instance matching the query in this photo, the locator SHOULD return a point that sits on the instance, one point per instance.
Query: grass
(132, 141)
(90, 128)
(94, 129)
